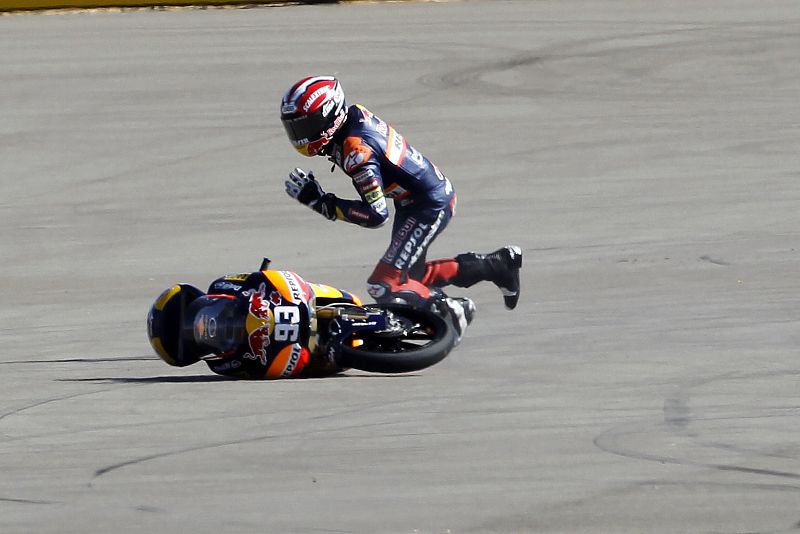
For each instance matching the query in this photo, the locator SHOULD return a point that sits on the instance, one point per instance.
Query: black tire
(380, 354)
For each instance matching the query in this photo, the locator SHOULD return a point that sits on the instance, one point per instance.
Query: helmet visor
(305, 129)
(219, 323)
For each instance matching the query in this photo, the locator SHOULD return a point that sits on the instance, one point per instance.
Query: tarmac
(644, 155)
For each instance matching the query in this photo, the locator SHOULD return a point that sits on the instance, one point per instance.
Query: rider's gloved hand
(303, 187)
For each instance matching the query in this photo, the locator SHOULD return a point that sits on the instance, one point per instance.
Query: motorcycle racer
(383, 165)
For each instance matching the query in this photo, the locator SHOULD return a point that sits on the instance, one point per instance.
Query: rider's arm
(371, 210)
(360, 163)
(363, 167)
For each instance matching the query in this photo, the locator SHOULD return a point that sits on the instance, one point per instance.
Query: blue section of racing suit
(384, 166)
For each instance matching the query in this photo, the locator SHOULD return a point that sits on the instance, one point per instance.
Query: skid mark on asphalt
(353, 410)
(50, 400)
(472, 76)
(709, 259)
(360, 410)
(677, 420)
(674, 45)
(26, 501)
(107, 469)
(613, 441)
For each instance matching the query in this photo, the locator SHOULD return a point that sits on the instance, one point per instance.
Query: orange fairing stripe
(280, 284)
(289, 362)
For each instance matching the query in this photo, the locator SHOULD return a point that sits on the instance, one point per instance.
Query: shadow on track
(213, 378)
(152, 379)
(84, 360)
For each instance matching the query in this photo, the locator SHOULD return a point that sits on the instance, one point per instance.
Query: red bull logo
(286, 291)
(259, 324)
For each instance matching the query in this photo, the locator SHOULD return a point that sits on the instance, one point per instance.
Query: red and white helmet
(312, 110)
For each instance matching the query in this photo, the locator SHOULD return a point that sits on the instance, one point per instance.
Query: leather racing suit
(383, 165)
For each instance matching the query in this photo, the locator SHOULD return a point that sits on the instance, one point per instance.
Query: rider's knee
(388, 284)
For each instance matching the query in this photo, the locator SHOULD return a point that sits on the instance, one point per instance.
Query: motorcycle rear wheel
(428, 342)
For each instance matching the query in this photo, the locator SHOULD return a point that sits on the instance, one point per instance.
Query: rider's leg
(500, 267)
(412, 233)
(386, 285)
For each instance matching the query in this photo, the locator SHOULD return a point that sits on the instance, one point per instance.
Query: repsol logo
(397, 242)
(410, 246)
(293, 359)
(294, 286)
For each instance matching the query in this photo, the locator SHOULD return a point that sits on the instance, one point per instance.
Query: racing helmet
(312, 110)
(166, 326)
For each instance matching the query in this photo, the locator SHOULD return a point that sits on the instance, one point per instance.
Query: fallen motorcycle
(273, 324)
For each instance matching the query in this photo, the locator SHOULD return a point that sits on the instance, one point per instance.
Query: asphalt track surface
(645, 157)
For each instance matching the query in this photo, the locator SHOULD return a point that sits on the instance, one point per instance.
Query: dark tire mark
(26, 501)
(610, 441)
(49, 401)
(175, 379)
(104, 470)
(709, 259)
(471, 76)
(357, 409)
(678, 418)
(623, 43)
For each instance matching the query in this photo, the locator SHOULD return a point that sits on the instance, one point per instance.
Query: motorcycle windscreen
(219, 323)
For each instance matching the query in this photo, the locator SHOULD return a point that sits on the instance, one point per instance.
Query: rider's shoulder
(364, 126)
(362, 122)
(360, 111)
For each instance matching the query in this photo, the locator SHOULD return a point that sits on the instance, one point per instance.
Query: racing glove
(305, 189)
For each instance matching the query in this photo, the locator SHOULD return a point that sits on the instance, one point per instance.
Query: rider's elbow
(376, 221)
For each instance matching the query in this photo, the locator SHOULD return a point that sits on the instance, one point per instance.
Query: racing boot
(460, 309)
(500, 267)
